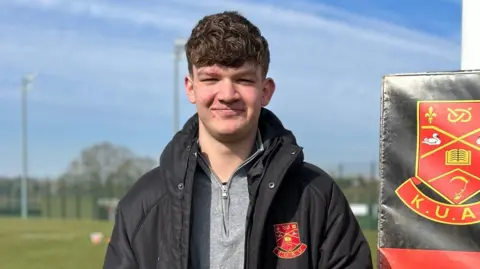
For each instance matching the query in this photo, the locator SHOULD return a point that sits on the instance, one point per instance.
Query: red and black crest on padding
(429, 214)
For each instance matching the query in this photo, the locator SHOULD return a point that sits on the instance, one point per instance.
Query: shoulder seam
(137, 229)
(320, 174)
(317, 191)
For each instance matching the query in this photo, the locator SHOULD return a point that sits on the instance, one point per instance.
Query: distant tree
(105, 164)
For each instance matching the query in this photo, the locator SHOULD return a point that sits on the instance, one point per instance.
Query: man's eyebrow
(207, 73)
(246, 73)
(238, 74)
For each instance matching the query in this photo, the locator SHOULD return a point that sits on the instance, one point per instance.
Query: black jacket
(153, 219)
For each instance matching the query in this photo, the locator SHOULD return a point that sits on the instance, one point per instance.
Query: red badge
(447, 162)
(289, 245)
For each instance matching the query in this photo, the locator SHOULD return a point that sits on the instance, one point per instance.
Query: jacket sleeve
(344, 245)
(119, 253)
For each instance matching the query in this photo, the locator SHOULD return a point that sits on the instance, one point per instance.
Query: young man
(232, 189)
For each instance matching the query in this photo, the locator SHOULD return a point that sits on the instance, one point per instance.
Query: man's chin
(230, 132)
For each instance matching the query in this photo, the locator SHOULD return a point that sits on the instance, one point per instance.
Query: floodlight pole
(177, 52)
(27, 81)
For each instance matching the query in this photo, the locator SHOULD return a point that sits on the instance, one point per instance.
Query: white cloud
(328, 62)
(302, 15)
(160, 16)
(129, 65)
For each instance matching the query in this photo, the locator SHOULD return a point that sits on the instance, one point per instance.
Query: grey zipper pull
(224, 191)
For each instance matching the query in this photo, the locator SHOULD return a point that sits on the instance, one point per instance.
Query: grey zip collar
(257, 150)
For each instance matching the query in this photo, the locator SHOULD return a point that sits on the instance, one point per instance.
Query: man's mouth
(229, 109)
(228, 112)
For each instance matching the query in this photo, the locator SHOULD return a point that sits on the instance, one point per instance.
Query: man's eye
(209, 79)
(246, 80)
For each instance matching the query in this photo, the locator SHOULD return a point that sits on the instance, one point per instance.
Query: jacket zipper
(224, 191)
(182, 232)
(251, 205)
(226, 186)
(249, 228)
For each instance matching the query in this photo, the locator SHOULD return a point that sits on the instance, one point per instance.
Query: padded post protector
(429, 213)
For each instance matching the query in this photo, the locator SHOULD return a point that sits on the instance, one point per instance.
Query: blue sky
(105, 71)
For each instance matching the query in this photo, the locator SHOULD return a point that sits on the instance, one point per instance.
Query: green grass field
(61, 244)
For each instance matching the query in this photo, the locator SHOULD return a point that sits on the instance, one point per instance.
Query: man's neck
(224, 158)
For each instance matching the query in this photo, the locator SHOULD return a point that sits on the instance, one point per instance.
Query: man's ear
(268, 90)
(189, 89)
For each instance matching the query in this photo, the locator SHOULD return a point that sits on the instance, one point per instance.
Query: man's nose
(227, 91)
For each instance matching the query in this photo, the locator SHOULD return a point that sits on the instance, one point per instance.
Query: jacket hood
(183, 143)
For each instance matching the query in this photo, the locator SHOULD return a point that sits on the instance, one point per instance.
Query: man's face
(229, 100)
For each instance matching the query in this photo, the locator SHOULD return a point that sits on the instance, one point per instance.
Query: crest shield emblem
(430, 171)
(289, 244)
(447, 162)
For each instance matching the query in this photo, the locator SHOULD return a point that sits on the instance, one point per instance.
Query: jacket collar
(183, 144)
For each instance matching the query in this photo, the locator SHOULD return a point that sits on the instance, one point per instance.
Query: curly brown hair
(227, 39)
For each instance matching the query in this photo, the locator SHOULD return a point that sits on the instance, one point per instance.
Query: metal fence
(71, 199)
(62, 198)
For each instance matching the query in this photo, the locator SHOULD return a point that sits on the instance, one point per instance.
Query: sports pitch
(60, 244)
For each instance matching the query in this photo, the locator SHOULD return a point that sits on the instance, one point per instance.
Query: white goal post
(470, 50)
(110, 204)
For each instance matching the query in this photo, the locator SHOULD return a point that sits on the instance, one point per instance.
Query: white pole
(470, 55)
(177, 50)
(26, 84)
